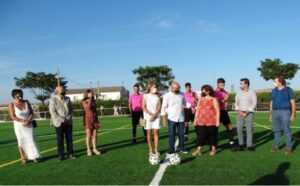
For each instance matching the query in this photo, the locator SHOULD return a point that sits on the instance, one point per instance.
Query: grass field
(126, 164)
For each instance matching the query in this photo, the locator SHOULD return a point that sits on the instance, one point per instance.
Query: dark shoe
(134, 141)
(186, 138)
(60, 159)
(251, 149)
(235, 148)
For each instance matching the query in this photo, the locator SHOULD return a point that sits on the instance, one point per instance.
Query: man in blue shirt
(282, 112)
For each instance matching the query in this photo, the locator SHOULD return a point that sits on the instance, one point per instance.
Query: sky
(105, 40)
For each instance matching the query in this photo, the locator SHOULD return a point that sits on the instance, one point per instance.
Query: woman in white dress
(21, 113)
(152, 108)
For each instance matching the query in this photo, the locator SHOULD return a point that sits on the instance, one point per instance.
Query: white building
(106, 93)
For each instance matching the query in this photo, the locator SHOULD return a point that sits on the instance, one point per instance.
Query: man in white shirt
(173, 109)
(245, 104)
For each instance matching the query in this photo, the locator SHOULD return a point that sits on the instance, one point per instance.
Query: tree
(41, 84)
(271, 68)
(162, 75)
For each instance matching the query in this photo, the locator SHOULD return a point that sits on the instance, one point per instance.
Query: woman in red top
(207, 121)
(90, 121)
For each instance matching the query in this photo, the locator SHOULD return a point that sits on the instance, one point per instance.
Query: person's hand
(193, 110)
(164, 122)
(218, 123)
(292, 118)
(270, 119)
(152, 117)
(25, 123)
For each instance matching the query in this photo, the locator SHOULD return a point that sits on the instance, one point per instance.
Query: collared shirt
(190, 99)
(281, 99)
(173, 105)
(246, 101)
(136, 102)
(221, 95)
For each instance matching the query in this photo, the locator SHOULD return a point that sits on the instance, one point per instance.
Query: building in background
(102, 93)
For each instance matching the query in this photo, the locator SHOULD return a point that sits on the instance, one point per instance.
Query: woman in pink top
(207, 121)
(90, 121)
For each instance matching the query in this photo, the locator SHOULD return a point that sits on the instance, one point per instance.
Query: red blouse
(206, 113)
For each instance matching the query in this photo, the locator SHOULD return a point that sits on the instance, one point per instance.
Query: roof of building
(95, 90)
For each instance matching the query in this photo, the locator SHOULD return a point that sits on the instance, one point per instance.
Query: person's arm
(271, 111)
(164, 109)
(129, 105)
(30, 117)
(144, 105)
(253, 103)
(217, 109)
(13, 116)
(196, 112)
(53, 110)
(158, 109)
(293, 114)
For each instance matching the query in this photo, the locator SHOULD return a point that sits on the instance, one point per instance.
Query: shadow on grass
(277, 178)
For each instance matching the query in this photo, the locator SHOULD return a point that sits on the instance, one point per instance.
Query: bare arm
(293, 115)
(12, 114)
(217, 109)
(271, 111)
(30, 117)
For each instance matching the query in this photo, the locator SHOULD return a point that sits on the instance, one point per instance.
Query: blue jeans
(172, 133)
(281, 121)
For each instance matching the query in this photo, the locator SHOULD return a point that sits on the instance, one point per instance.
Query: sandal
(197, 153)
(24, 161)
(95, 151)
(89, 153)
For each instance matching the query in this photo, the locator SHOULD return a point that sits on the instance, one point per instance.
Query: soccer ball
(154, 159)
(175, 159)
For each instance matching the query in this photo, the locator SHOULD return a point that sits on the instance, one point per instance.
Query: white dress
(151, 101)
(25, 134)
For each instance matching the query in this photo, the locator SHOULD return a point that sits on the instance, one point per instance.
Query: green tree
(270, 68)
(41, 84)
(160, 74)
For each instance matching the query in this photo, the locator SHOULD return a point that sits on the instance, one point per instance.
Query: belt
(281, 109)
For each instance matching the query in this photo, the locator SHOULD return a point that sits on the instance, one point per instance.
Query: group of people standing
(207, 112)
(177, 110)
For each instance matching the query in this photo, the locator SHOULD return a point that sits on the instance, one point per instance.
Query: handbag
(34, 123)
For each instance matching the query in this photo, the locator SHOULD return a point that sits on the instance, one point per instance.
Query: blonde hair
(150, 85)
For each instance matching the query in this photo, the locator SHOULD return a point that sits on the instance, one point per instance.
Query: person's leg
(134, 126)
(287, 129)
(213, 138)
(141, 116)
(88, 142)
(239, 128)
(186, 123)
(180, 127)
(156, 140)
(149, 140)
(198, 141)
(249, 128)
(172, 131)
(69, 138)
(60, 141)
(94, 141)
(23, 156)
(276, 120)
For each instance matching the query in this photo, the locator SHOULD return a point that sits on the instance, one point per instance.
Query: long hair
(151, 84)
(85, 95)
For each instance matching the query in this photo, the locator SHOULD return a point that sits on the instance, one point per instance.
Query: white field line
(83, 132)
(162, 169)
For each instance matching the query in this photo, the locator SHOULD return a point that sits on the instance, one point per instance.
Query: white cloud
(209, 27)
(164, 24)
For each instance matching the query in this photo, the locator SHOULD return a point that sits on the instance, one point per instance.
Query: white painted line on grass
(162, 169)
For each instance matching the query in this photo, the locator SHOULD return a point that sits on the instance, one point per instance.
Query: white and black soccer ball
(154, 159)
(175, 159)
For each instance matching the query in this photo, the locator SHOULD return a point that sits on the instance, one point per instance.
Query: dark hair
(246, 81)
(86, 94)
(136, 85)
(221, 80)
(188, 85)
(208, 89)
(281, 80)
(15, 92)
